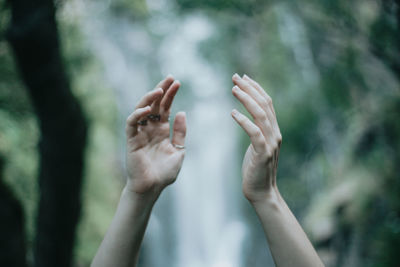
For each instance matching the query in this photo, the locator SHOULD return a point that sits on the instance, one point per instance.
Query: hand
(153, 160)
(261, 159)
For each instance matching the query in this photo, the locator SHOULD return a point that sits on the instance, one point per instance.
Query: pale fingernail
(236, 76)
(235, 88)
(245, 76)
(234, 112)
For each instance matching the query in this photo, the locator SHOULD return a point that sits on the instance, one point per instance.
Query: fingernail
(157, 89)
(245, 76)
(235, 88)
(234, 112)
(236, 76)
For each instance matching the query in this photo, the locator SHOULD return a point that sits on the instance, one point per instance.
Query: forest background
(71, 71)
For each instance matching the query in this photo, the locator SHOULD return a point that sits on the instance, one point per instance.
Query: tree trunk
(12, 237)
(33, 35)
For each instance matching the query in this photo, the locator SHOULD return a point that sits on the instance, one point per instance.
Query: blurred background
(72, 70)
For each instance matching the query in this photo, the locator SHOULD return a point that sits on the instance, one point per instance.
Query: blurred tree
(365, 57)
(12, 240)
(249, 7)
(348, 119)
(343, 127)
(33, 35)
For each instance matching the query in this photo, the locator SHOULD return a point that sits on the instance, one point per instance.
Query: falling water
(196, 221)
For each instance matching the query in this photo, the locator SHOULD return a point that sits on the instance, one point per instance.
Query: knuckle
(267, 156)
(128, 120)
(261, 115)
(248, 87)
(240, 119)
(274, 146)
(279, 139)
(146, 97)
(257, 133)
(263, 102)
(263, 148)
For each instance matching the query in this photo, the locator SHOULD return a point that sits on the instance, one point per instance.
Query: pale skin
(288, 243)
(154, 159)
(153, 162)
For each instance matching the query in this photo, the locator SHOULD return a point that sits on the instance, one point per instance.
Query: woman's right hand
(261, 159)
(153, 158)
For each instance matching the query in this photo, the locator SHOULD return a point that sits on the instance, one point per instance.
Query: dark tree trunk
(33, 35)
(12, 237)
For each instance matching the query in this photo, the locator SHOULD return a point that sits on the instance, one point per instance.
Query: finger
(250, 90)
(179, 129)
(132, 120)
(164, 84)
(254, 132)
(250, 104)
(168, 98)
(271, 115)
(258, 114)
(261, 90)
(150, 97)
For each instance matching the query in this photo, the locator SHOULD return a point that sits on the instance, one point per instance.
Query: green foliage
(18, 130)
(343, 128)
(337, 101)
(247, 7)
(101, 186)
(135, 10)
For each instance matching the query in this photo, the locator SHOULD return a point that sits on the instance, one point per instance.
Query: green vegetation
(333, 70)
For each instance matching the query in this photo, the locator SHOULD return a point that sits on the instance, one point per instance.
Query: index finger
(260, 90)
(132, 120)
(150, 97)
(165, 85)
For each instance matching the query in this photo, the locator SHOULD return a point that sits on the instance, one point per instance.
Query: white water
(197, 221)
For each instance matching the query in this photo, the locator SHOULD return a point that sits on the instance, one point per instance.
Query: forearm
(288, 243)
(120, 247)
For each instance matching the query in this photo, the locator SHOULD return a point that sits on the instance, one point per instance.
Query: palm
(152, 158)
(261, 158)
(153, 162)
(254, 171)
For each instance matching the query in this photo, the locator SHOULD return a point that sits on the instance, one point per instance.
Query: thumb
(179, 129)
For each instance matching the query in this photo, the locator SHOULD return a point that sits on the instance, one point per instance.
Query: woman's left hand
(260, 162)
(153, 159)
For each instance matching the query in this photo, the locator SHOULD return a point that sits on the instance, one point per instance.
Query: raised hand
(153, 162)
(261, 158)
(153, 159)
(287, 241)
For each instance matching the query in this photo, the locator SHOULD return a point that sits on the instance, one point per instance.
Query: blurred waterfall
(196, 222)
(206, 237)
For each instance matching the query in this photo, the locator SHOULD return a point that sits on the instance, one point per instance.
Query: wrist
(142, 199)
(148, 188)
(270, 199)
